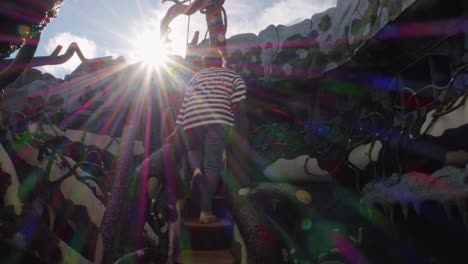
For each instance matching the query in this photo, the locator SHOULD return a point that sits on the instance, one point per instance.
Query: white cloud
(111, 53)
(87, 47)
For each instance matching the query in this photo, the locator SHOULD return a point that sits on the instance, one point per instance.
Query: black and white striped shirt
(209, 97)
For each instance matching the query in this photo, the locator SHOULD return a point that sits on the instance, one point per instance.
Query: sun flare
(148, 48)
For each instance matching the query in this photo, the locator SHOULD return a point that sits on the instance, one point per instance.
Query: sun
(148, 48)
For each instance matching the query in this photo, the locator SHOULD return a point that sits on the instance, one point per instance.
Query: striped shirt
(209, 97)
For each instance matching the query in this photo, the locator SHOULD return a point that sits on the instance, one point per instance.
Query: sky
(129, 28)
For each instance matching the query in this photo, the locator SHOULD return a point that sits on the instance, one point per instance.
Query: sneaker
(244, 191)
(207, 217)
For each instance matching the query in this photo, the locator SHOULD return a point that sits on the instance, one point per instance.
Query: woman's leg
(193, 140)
(213, 164)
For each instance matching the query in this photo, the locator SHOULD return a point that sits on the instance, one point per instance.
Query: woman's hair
(213, 58)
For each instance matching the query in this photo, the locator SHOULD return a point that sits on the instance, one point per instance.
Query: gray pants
(205, 146)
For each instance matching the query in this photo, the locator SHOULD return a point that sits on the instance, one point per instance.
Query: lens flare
(148, 48)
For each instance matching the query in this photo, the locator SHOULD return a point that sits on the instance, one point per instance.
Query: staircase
(206, 243)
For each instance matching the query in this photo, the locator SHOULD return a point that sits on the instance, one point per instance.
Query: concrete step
(210, 236)
(192, 207)
(205, 257)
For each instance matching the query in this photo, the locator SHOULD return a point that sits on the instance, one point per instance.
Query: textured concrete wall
(315, 45)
